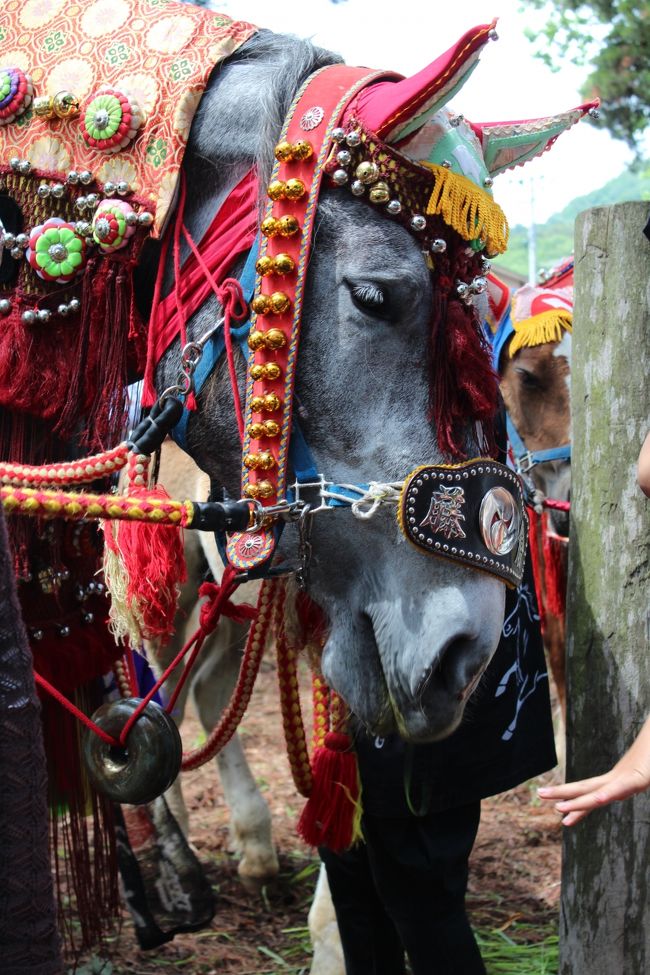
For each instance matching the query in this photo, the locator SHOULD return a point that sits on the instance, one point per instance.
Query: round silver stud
(92, 200)
(5, 306)
(82, 227)
(43, 315)
(353, 139)
(338, 135)
(340, 177)
(43, 191)
(145, 219)
(28, 317)
(57, 190)
(14, 162)
(123, 188)
(22, 240)
(438, 246)
(58, 252)
(72, 177)
(63, 311)
(109, 188)
(131, 218)
(85, 177)
(418, 222)
(358, 187)
(74, 304)
(344, 158)
(80, 203)
(394, 207)
(24, 167)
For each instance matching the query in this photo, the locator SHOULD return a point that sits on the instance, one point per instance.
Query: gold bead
(279, 302)
(283, 264)
(274, 339)
(43, 106)
(265, 460)
(65, 104)
(265, 489)
(270, 227)
(261, 304)
(367, 171)
(256, 431)
(271, 428)
(265, 265)
(252, 461)
(252, 491)
(277, 190)
(294, 189)
(380, 193)
(273, 370)
(287, 226)
(258, 372)
(302, 149)
(283, 151)
(271, 402)
(256, 340)
(257, 404)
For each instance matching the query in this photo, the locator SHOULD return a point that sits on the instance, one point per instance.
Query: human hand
(630, 775)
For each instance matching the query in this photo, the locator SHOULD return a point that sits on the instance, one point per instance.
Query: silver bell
(418, 222)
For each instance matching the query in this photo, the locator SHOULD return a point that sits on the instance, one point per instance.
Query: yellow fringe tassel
(469, 210)
(540, 329)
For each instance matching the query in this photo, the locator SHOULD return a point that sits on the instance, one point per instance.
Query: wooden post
(605, 917)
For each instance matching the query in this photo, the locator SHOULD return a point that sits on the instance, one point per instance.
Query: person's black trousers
(403, 890)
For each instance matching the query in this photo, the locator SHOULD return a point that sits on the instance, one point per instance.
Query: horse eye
(370, 298)
(529, 379)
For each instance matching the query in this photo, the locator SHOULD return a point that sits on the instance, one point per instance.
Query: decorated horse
(531, 341)
(324, 366)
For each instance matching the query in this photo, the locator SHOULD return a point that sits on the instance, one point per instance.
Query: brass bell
(294, 189)
(283, 151)
(257, 404)
(271, 402)
(252, 461)
(265, 460)
(379, 193)
(146, 765)
(256, 431)
(252, 491)
(274, 339)
(302, 149)
(270, 226)
(367, 171)
(273, 370)
(264, 266)
(43, 106)
(287, 226)
(271, 428)
(256, 340)
(277, 190)
(65, 104)
(258, 372)
(279, 302)
(265, 489)
(283, 264)
(261, 304)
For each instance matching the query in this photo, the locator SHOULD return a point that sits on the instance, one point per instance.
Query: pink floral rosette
(56, 251)
(113, 223)
(110, 120)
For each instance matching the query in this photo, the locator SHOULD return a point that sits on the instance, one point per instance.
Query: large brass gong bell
(146, 765)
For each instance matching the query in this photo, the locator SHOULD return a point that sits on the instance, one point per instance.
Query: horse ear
(509, 144)
(394, 110)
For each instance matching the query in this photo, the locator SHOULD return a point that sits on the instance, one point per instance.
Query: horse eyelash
(368, 294)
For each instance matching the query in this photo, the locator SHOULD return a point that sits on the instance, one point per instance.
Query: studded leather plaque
(472, 513)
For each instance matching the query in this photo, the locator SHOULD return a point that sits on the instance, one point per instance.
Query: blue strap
(529, 458)
(215, 347)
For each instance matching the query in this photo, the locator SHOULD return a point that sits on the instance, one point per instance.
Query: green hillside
(555, 237)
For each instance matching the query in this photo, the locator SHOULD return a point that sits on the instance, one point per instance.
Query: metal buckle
(525, 463)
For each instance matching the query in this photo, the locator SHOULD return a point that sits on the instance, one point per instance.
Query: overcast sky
(509, 83)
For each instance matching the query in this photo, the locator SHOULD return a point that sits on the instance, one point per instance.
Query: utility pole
(532, 236)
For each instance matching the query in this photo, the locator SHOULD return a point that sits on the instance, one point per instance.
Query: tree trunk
(605, 917)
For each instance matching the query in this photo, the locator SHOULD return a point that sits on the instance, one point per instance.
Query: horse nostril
(446, 672)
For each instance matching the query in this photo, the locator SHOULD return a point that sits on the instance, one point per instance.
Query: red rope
(73, 709)
(556, 505)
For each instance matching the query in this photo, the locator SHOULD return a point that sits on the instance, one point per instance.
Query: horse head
(391, 369)
(535, 370)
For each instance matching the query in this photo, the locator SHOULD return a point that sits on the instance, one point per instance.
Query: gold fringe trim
(540, 329)
(468, 209)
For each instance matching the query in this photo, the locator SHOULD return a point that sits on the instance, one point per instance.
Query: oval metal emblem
(312, 118)
(499, 521)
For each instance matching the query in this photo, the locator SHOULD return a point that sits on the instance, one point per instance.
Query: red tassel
(152, 566)
(331, 816)
(555, 561)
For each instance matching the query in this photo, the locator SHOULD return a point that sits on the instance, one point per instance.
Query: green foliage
(612, 37)
(555, 237)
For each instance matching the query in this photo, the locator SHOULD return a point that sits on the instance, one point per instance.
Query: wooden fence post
(605, 916)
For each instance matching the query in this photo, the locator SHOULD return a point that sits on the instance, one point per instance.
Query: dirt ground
(514, 885)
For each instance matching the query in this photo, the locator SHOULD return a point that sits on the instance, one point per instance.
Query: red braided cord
(557, 505)
(68, 472)
(292, 720)
(229, 721)
(225, 590)
(73, 709)
(77, 507)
